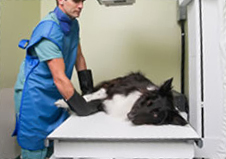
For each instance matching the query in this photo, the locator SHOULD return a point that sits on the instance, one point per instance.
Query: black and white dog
(136, 98)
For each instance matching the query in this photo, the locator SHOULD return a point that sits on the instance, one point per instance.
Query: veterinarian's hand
(82, 108)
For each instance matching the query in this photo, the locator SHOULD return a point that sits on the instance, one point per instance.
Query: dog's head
(156, 107)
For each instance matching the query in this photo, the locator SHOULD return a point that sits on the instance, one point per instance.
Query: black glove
(85, 81)
(82, 108)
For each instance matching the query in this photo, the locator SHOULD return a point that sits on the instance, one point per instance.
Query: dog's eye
(155, 113)
(148, 102)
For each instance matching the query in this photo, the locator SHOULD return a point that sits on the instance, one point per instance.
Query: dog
(137, 99)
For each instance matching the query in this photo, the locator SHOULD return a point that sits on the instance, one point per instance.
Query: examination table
(103, 136)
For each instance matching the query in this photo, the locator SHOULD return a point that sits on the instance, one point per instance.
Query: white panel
(213, 86)
(209, 149)
(212, 77)
(222, 14)
(113, 149)
(116, 2)
(194, 65)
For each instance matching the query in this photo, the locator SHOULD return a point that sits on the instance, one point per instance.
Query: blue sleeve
(47, 50)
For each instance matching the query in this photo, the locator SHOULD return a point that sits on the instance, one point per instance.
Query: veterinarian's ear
(177, 119)
(166, 87)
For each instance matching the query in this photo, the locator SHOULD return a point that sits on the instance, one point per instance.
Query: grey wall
(8, 145)
(18, 17)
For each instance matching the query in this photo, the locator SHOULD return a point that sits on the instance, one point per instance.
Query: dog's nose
(130, 115)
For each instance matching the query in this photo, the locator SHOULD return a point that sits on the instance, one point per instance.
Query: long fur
(136, 98)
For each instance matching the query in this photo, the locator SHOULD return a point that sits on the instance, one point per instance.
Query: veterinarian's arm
(84, 75)
(75, 101)
(80, 60)
(63, 84)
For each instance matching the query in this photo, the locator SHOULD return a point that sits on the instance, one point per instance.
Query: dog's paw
(61, 104)
(100, 94)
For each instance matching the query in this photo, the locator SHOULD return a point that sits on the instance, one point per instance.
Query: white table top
(101, 126)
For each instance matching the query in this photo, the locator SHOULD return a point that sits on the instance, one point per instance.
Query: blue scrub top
(56, 36)
(45, 50)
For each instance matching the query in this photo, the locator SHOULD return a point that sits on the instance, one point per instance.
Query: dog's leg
(100, 94)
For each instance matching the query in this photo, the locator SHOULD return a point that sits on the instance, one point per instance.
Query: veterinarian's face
(72, 8)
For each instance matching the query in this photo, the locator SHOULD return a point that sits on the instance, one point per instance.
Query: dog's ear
(177, 119)
(166, 87)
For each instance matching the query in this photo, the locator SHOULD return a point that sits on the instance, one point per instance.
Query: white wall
(118, 40)
(46, 7)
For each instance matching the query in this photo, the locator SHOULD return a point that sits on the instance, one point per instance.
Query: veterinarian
(51, 53)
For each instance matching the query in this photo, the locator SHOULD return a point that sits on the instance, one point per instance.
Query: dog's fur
(138, 99)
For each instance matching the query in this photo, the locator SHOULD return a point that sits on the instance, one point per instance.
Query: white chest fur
(120, 104)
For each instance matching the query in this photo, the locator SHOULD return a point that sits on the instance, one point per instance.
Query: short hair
(57, 2)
